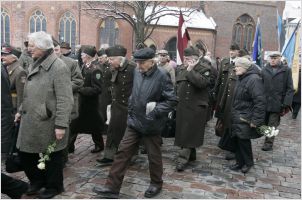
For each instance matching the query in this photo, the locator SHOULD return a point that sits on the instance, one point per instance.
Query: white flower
(277, 132)
(266, 131)
(41, 165)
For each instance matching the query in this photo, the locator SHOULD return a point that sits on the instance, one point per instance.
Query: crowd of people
(56, 95)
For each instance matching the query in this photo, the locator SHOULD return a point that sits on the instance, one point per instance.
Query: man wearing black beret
(17, 75)
(224, 90)
(121, 87)
(192, 82)
(152, 98)
(89, 120)
(66, 49)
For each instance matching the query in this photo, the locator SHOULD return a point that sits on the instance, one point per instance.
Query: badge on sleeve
(207, 73)
(98, 76)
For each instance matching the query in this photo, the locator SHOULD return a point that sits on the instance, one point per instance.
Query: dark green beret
(191, 51)
(89, 50)
(117, 50)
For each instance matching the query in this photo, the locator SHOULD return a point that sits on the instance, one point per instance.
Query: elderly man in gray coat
(45, 116)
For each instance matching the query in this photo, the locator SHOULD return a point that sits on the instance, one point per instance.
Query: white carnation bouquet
(46, 156)
(267, 131)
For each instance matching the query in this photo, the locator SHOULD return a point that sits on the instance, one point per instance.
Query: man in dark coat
(122, 81)
(151, 100)
(66, 49)
(248, 112)
(7, 120)
(279, 92)
(105, 96)
(192, 82)
(296, 105)
(89, 120)
(17, 74)
(224, 90)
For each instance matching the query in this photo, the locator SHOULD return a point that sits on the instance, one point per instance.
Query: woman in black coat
(248, 112)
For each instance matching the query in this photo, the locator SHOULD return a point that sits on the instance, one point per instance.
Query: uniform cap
(89, 50)
(191, 51)
(6, 49)
(101, 52)
(275, 54)
(65, 45)
(234, 46)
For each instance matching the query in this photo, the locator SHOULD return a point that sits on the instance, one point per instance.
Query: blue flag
(279, 23)
(257, 50)
(289, 47)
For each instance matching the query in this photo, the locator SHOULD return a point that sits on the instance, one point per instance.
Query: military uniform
(89, 120)
(105, 96)
(25, 60)
(191, 111)
(17, 77)
(122, 81)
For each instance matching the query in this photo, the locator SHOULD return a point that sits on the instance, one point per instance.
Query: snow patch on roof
(197, 19)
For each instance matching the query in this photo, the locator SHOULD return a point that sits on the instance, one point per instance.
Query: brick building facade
(17, 17)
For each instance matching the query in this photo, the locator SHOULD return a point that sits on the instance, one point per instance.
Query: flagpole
(292, 35)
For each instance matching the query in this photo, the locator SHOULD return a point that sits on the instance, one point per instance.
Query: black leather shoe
(34, 189)
(104, 160)
(152, 191)
(230, 156)
(180, 167)
(267, 147)
(105, 192)
(49, 193)
(97, 149)
(235, 167)
(246, 168)
(192, 155)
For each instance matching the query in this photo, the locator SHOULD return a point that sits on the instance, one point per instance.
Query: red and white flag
(182, 39)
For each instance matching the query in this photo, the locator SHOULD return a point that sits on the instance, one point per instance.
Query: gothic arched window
(171, 47)
(37, 22)
(243, 31)
(67, 29)
(109, 32)
(5, 27)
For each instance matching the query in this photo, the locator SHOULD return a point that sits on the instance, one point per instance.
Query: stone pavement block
(287, 189)
(193, 195)
(293, 180)
(266, 191)
(90, 173)
(251, 195)
(172, 188)
(291, 185)
(203, 186)
(290, 195)
(227, 191)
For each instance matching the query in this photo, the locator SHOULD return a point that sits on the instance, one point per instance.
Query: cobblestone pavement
(276, 174)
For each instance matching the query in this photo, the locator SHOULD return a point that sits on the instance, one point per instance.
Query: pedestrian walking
(89, 120)
(279, 92)
(223, 92)
(76, 83)
(151, 99)
(121, 88)
(192, 83)
(248, 106)
(105, 96)
(17, 74)
(45, 114)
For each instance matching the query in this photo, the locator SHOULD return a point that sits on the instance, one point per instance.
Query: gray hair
(243, 62)
(41, 40)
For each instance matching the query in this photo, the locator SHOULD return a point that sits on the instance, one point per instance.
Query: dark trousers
(12, 187)
(296, 108)
(127, 149)
(244, 153)
(271, 119)
(51, 177)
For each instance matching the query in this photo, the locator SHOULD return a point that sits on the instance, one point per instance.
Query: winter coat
(47, 104)
(105, 96)
(278, 87)
(121, 88)
(76, 83)
(25, 60)
(193, 98)
(297, 95)
(7, 120)
(248, 104)
(156, 86)
(224, 91)
(89, 120)
(170, 70)
(17, 77)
